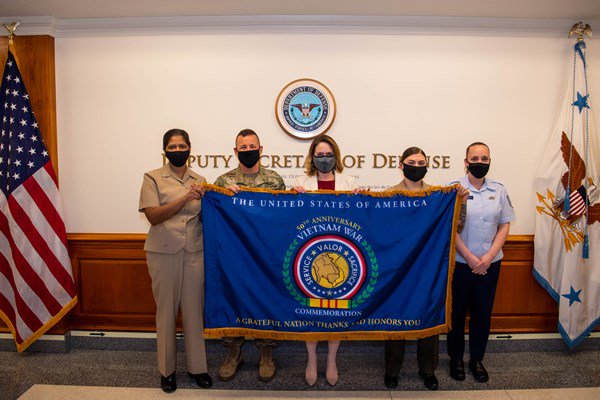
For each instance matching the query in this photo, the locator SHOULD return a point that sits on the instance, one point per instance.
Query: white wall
(116, 96)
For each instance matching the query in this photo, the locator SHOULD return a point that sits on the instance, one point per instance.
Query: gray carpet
(521, 364)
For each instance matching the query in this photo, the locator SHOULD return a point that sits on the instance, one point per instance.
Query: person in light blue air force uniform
(478, 258)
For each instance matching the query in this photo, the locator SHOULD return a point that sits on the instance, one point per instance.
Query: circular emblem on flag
(305, 108)
(329, 267)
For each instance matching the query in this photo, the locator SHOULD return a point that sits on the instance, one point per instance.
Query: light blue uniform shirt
(487, 208)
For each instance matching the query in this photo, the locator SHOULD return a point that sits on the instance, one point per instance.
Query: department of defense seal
(305, 108)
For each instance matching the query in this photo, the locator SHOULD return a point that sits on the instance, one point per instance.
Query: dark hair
(175, 132)
(246, 132)
(310, 167)
(475, 144)
(411, 151)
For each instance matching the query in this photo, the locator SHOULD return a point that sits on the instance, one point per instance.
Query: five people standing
(171, 200)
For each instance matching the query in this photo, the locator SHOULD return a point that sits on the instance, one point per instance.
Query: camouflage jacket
(266, 179)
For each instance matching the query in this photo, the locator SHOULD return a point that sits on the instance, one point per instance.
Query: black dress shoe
(202, 380)
(430, 380)
(478, 371)
(390, 382)
(168, 384)
(457, 369)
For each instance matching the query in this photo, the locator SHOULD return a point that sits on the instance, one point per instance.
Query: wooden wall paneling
(103, 262)
(521, 304)
(519, 293)
(113, 284)
(115, 293)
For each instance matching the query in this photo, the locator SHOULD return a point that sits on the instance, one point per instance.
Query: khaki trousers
(178, 279)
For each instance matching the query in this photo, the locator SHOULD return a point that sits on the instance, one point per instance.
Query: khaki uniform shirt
(266, 179)
(184, 229)
(402, 186)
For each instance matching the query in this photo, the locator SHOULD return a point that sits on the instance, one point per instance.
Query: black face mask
(324, 164)
(249, 158)
(177, 158)
(413, 172)
(478, 170)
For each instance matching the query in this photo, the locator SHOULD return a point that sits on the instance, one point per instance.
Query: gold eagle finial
(580, 30)
(11, 28)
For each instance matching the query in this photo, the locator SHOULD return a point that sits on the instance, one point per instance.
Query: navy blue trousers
(475, 294)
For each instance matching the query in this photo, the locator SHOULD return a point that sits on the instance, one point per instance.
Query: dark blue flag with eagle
(328, 265)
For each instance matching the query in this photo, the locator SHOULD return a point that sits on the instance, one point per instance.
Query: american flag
(36, 280)
(577, 204)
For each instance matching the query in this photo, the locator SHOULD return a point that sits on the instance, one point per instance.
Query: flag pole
(30, 195)
(581, 30)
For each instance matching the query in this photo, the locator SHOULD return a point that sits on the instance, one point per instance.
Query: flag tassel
(586, 247)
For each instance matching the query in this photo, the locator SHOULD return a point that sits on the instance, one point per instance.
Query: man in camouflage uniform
(249, 174)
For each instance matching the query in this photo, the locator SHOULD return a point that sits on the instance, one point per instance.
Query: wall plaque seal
(305, 108)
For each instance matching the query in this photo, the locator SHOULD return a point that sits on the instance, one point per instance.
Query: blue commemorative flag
(328, 265)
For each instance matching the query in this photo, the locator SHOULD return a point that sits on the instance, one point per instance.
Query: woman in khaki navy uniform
(170, 199)
(479, 248)
(413, 164)
(324, 172)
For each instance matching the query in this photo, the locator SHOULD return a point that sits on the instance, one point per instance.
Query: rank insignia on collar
(491, 198)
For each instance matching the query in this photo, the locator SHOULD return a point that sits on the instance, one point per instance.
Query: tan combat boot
(266, 370)
(231, 364)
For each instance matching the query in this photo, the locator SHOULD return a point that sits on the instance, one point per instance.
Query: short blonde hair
(310, 167)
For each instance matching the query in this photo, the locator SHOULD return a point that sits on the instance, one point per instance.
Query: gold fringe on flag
(393, 193)
(216, 333)
(37, 334)
(452, 260)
